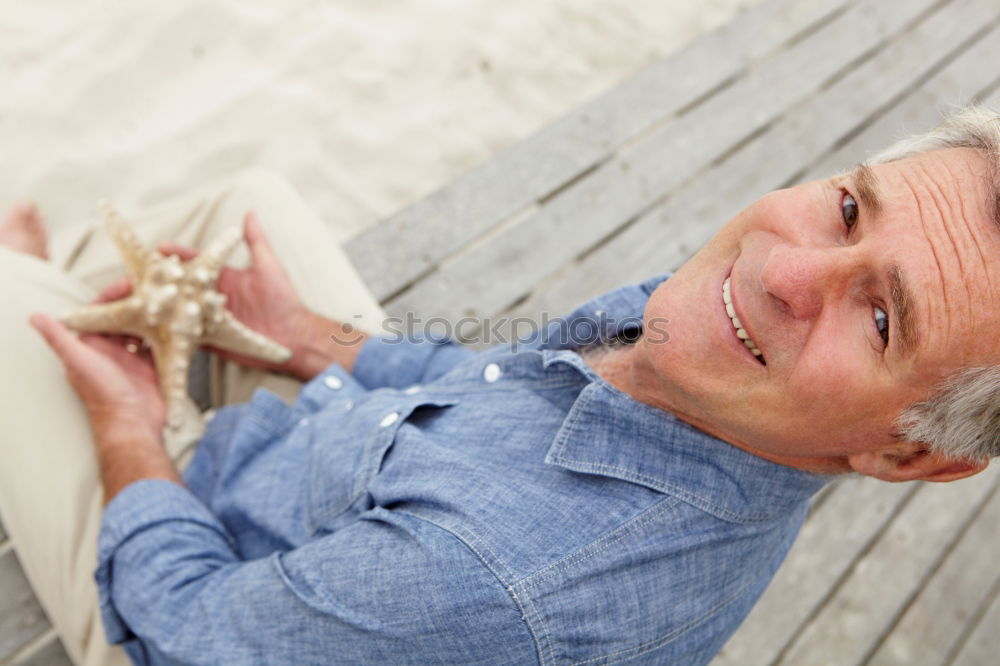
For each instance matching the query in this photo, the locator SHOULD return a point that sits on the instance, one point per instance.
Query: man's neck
(621, 367)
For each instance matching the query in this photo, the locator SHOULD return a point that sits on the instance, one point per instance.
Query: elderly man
(419, 502)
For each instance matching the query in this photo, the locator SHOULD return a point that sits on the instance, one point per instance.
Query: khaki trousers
(50, 494)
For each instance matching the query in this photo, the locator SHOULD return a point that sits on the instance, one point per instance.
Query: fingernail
(36, 320)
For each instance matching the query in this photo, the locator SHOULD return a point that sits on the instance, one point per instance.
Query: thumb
(261, 253)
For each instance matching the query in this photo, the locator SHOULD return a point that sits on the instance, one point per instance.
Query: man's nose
(805, 279)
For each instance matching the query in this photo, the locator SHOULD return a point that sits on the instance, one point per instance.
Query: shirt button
(349, 405)
(411, 390)
(333, 382)
(303, 421)
(388, 420)
(492, 372)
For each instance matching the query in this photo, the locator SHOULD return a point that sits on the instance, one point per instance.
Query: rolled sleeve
(158, 511)
(390, 588)
(395, 362)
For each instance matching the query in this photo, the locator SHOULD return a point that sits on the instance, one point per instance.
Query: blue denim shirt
(446, 506)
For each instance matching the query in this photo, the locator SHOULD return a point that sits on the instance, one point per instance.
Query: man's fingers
(183, 252)
(114, 291)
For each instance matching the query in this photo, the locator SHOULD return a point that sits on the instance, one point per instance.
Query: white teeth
(737, 324)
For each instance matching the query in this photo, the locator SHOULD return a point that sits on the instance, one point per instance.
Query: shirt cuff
(398, 362)
(140, 506)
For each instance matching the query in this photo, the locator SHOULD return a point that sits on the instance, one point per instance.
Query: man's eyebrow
(868, 187)
(866, 182)
(903, 316)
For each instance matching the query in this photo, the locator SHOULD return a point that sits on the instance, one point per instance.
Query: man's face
(861, 294)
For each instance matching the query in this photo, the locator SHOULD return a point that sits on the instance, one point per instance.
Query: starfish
(174, 307)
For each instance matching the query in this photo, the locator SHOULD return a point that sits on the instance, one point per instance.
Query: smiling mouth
(741, 332)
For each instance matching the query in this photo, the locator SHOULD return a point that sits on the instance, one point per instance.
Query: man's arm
(320, 342)
(389, 588)
(126, 455)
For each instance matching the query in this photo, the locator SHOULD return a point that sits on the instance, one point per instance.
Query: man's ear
(913, 462)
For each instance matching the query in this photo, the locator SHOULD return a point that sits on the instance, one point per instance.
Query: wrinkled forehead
(939, 217)
(951, 171)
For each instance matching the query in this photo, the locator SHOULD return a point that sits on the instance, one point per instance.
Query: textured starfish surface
(174, 307)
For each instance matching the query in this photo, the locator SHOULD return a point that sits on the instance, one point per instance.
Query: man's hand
(118, 387)
(121, 394)
(263, 298)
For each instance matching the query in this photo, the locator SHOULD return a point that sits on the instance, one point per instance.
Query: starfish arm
(173, 359)
(232, 335)
(212, 258)
(124, 316)
(136, 256)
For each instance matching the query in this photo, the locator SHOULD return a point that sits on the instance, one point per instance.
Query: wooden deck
(630, 185)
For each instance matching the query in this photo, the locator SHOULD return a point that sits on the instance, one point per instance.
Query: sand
(365, 106)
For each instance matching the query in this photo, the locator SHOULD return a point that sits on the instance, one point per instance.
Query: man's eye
(849, 209)
(882, 324)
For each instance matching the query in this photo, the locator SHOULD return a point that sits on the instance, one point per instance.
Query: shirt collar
(607, 432)
(602, 318)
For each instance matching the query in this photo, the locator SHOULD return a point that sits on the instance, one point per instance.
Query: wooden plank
(51, 653)
(934, 622)
(666, 237)
(397, 251)
(493, 275)
(963, 81)
(885, 579)
(844, 526)
(21, 618)
(981, 647)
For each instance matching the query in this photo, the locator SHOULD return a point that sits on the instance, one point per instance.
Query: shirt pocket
(347, 454)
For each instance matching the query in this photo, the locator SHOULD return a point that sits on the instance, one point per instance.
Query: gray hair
(961, 418)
